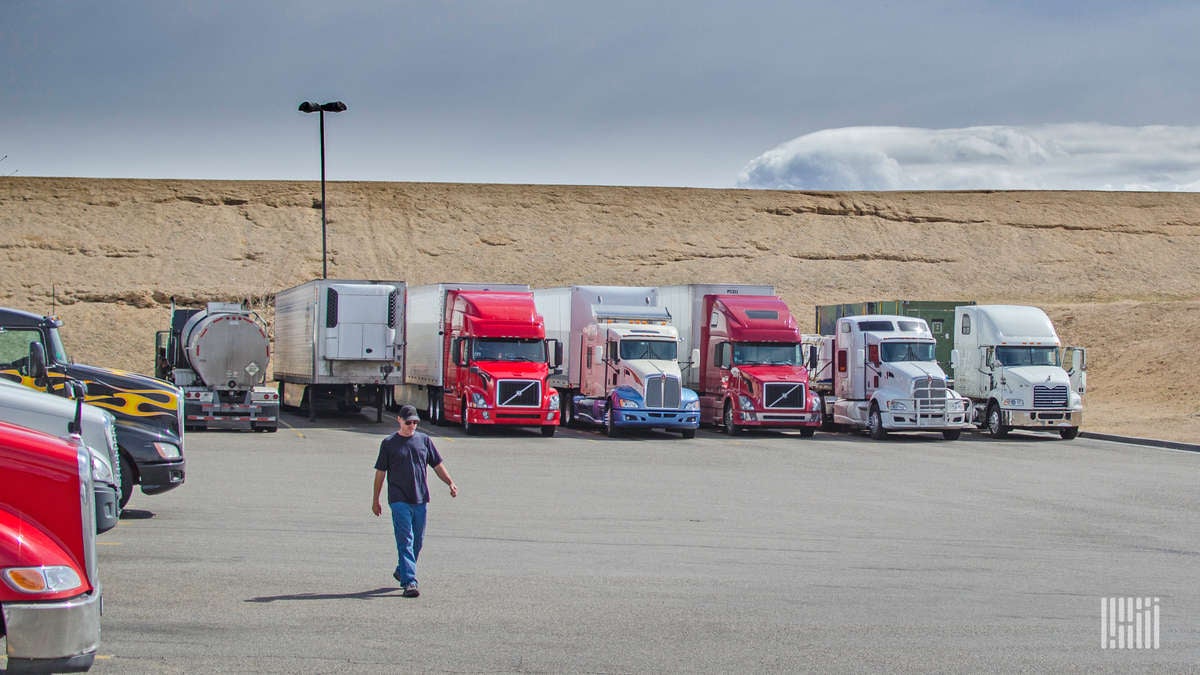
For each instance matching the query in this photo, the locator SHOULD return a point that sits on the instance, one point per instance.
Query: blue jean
(408, 522)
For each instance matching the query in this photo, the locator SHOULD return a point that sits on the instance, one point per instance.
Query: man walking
(403, 457)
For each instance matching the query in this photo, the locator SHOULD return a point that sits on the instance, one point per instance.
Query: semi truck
(60, 417)
(339, 342)
(218, 356)
(878, 373)
(747, 362)
(50, 594)
(1009, 361)
(939, 314)
(621, 369)
(477, 354)
(148, 411)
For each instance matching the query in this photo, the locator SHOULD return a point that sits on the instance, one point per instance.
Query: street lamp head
(333, 106)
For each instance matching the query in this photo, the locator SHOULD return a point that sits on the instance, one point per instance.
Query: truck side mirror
(696, 358)
(954, 358)
(812, 357)
(555, 351)
(37, 364)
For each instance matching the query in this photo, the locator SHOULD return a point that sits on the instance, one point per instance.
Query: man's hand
(375, 508)
(453, 489)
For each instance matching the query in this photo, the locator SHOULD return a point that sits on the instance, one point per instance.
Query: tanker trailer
(218, 356)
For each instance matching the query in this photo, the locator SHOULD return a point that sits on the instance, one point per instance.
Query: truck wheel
(875, 424)
(952, 434)
(1068, 433)
(807, 432)
(688, 433)
(826, 418)
(126, 481)
(727, 420)
(610, 426)
(566, 408)
(548, 430)
(995, 422)
(436, 415)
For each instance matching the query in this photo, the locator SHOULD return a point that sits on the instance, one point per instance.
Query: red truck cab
(50, 599)
(497, 361)
(752, 366)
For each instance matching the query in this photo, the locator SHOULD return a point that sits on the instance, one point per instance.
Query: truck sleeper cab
(50, 595)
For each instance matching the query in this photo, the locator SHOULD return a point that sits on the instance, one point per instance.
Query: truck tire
(610, 427)
(566, 408)
(995, 422)
(126, 480)
(549, 429)
(435, 412)
(951, 434)
(807, 432)
(875, 424)
(1068, 433)
(468, 427)
(688, 433)
(727, 420)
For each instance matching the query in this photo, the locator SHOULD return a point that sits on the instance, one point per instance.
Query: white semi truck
(339, 342)
(880, 373)
(622, 367)
(1009, 361)
(218, 356)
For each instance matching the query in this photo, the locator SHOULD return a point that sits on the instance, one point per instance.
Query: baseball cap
(408, 413)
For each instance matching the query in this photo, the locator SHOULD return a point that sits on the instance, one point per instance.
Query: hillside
(1115, 270)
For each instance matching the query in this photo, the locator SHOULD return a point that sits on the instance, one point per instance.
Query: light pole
(322, 108)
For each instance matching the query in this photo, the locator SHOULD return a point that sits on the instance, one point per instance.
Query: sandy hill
(1116, 271)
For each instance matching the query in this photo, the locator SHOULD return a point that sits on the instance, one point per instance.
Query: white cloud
(1047, 157)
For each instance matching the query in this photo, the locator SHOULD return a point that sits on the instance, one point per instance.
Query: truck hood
(911, 370)
(641, 369)
(1036, 375)
(763, 373)
(132, 398)
(505, 370)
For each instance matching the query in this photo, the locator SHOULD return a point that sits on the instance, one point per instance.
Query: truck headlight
(47, 579)
(101, 471)
(477, 400)
(168, 450)
(745, 402)
(554, 401)
(626, 402)
(1014, 403)
(692, 405)
(898, 405)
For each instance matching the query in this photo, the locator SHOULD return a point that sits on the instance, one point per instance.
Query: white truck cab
(1009, 361)
(885, 377)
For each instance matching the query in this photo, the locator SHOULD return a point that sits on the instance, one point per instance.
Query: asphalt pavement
(579, 553)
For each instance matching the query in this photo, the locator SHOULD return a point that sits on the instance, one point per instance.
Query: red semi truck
(747, 361)
(479, 352)
(49, 591)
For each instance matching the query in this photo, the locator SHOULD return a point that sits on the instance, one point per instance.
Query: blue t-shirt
(405, 459)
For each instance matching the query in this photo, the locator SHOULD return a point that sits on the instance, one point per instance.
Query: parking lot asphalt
(649, 553)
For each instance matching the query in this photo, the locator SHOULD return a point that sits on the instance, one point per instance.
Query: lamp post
(322, 108)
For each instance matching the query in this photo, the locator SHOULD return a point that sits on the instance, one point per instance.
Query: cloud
(1046, 157)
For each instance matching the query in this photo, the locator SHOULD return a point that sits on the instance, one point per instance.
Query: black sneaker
(410, 591)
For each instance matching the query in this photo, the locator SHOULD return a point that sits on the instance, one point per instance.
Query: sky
(920, 94)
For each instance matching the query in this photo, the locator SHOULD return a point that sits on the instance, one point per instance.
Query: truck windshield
(1027, 356)
(14, 348)
(659, 350)
(531, 350)
(767, 354)
(906, 351)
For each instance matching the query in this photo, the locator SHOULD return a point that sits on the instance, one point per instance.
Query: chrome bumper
(1043, 419)
(51, 636)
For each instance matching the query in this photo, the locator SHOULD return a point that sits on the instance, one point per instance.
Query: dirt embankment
(1116, 271)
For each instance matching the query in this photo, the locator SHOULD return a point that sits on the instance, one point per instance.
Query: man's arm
(375, 507)
(442, 473)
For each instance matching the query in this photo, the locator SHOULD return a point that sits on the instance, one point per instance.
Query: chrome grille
(930, 392)
(1049, 397)
(783, 395)
(527, 393)
(663, 392)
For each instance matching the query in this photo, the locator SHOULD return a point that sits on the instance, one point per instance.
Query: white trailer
(1009, 362)
(622, 367)
(339, 341)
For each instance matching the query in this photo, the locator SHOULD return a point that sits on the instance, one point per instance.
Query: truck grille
(1049, 397)
(930, 392)
(783, 395)
(663, 392)
(526, 393)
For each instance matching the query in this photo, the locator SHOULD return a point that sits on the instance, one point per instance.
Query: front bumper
(514, 417)
(757, 418)
(644, 418)
(108, 508)
(1043, 419)
(939, 420)
(59, 636)
(158, 478)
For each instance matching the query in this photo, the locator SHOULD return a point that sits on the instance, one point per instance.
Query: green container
(939, 314)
